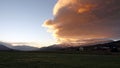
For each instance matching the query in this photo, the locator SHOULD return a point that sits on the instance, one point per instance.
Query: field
(57, 60)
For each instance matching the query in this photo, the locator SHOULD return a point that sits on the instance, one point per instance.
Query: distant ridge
(7, 46)
(25, 48)
(4, 48)
(59, 47)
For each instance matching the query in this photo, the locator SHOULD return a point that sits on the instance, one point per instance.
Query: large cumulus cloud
(85, 19)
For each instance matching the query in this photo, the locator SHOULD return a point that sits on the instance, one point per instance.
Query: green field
(57, 60)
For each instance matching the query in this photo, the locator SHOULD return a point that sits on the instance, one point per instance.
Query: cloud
(85, 19)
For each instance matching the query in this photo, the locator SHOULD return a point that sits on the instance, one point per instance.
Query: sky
(84, 20)
(61, 21)
(21, 20)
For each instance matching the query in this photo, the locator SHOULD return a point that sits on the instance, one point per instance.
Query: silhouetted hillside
(8, 46)
(4, 48)
(51, 48)
(112, 46)
(25, 48)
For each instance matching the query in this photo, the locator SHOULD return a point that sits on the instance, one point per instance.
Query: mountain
(112, 46)
(8, 46)
(3, 47)
(51, 48)
(25, 48)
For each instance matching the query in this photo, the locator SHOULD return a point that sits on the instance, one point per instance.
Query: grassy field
(57, 60)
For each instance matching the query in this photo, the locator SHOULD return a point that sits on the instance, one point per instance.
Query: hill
(112, 46)
(3, 47)
(25, 48)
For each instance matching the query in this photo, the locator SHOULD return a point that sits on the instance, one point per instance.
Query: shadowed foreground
(57, 60)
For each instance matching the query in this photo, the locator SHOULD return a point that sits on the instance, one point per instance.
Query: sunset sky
(21, 20)
(48, 21)
(83, 20)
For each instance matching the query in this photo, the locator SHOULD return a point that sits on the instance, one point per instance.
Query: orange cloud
(86, 8)
(85, 19)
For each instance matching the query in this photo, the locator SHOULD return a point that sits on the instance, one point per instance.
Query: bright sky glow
(21, 20)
